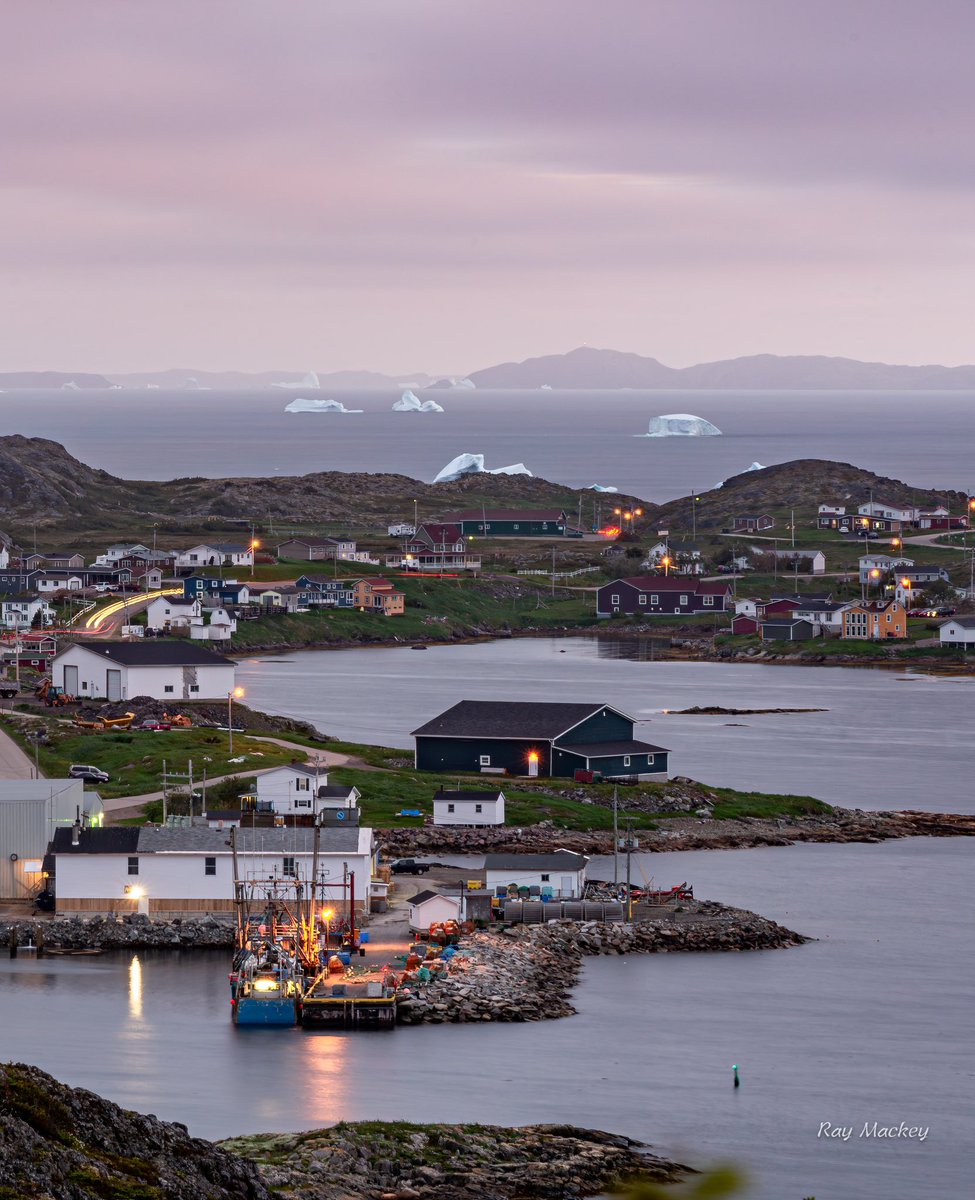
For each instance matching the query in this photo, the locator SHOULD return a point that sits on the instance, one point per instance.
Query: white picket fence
(562, 574)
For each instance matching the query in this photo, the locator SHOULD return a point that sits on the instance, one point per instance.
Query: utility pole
(553, 572)
(629, 887)
(792, 522)
(616, 839)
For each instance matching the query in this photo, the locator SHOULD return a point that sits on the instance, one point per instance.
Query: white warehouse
(472, 808)
(31, 811)
(165, 670)
(174, 872)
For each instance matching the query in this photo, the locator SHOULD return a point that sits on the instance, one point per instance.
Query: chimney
(76, 834)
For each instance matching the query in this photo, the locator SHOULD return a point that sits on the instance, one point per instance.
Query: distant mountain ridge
(588, 367)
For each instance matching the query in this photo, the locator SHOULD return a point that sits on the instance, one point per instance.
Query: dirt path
(14, 763)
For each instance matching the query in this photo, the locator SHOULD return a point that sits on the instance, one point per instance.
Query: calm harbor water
(869, 1023)
(884, 740)
(576, 438)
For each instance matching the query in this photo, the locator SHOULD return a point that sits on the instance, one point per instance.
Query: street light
(327, 915)
(255, 545)
(666, 562)
(236, 694)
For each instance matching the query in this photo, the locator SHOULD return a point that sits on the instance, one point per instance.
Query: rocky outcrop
(400, 1161)
(130, 932)
(63, 1142)
(685, 833)
(527, 972)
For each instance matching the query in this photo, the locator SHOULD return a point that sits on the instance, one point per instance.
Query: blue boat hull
(254, 1011)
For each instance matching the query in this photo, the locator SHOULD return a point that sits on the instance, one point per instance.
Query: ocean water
(576, 438)
(871, 1022)
(884, 739)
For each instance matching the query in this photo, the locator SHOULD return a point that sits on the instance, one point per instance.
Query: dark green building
(510, 522)
(534, 739)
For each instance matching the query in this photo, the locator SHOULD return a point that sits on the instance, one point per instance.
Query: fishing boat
(264, 984)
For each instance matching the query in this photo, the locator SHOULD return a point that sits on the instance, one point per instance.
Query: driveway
(14, 763)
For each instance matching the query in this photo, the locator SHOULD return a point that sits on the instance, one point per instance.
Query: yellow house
(874, 620)
(379, 595)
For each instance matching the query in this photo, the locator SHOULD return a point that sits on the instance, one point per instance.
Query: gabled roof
(438, 531)
(520, 719)
(113, 839)
(561, 860)
(612, 749)
(177, 653)
(670, 583)
(467, 794)
(507, 514)
(964, 622)
(423, 897)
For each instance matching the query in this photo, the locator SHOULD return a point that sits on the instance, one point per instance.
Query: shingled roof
(530, 720)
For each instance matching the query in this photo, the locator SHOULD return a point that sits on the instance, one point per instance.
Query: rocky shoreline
(527, 972)
(684, 833)
(133, 931)
(58, 1141)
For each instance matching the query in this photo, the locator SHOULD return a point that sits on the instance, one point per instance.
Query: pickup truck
(8, 690)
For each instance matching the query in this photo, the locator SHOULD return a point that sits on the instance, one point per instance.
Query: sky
(439, 185)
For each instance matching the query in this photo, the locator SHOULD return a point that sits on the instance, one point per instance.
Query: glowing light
(265, 985)
(327, 914)
(238, 693)
(875, 574)
(255, 544)
(134, 892)
(533, 756)
(638, 512)
(906, 583)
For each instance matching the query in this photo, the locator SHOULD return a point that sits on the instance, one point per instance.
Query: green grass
(733, 805)
(134, 760)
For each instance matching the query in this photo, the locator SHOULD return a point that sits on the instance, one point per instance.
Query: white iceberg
(70, 386)
(410, 402)
(756, 466)
(473, 464)
(598, 487)
(680, 425)
(546, 387)
(308, 384)
(466, 384)
(300, 404)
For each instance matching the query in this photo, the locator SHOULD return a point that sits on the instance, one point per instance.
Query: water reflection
(135, 988)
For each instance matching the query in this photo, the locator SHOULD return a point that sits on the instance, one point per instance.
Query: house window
(485, 760)
(301, 785)
(516, 526)
(614, 599)
(450, 808)
(626, 760)
(654, 601)
(546, 878)
(84, 685)
(641, 600)
(478, 808)
(302, 801)
(288, 866)
(194, 687)
(709, 600)
(683, 600)
(210, 865)
(168, 687)
(134, 866)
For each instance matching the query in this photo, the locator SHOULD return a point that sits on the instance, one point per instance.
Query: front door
(566, 888)
(113, 684)
(71, 681)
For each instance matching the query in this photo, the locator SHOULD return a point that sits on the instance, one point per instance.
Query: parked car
(89, 773)
(408, 866)
(151, 723)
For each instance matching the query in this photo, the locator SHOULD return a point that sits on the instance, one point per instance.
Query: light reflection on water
(872, 1021)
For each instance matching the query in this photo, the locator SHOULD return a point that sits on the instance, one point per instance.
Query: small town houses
(959, 631)
(874, 620)
(510, 522)
(882, 516)
(316, 549)
(752, 523)
(435, 546)
(661, 595)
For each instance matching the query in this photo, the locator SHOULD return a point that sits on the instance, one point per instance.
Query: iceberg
(70, 386)
(466, 384)
(680, 425)
(473, 464)
(300, 404)
(598, 487)
(756, 466)
(410, 402)
(545, 387)
(309, 383)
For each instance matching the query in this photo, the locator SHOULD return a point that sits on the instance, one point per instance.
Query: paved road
(14, 763)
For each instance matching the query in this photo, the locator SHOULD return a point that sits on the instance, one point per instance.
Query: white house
(427, 908)
(561, 875)
(19, 612)
(468, 807)
(301, 788)
(881, 562)
(747, 606)
(203, 555)
(825, 616)
(959, 631)
(891, 512)
(165, 670)
(175, 872)
(172, 612)
(219, 626)
(4, 556)
(31, 810)
(787, 559)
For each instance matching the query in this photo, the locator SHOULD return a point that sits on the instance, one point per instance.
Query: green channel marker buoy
(734, 1068)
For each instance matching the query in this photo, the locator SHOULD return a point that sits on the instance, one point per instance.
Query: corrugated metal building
(30, 812)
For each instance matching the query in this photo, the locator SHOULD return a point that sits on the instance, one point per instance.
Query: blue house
(333, 593)
(535, 739)
(196, 587)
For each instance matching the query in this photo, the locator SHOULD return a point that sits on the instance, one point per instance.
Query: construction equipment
(53, 697)
(118, 722)
(83, 724)
(178, 722)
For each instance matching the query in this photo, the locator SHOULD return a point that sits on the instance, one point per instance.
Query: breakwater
(684, 833)
(526, 973)
(133, 931)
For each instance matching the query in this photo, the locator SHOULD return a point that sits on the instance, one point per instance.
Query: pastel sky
(443, 184)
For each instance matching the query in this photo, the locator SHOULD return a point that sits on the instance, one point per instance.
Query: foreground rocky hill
(69, 1144)
(62, 1143)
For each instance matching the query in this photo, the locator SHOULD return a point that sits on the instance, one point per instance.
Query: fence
(561, 574)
